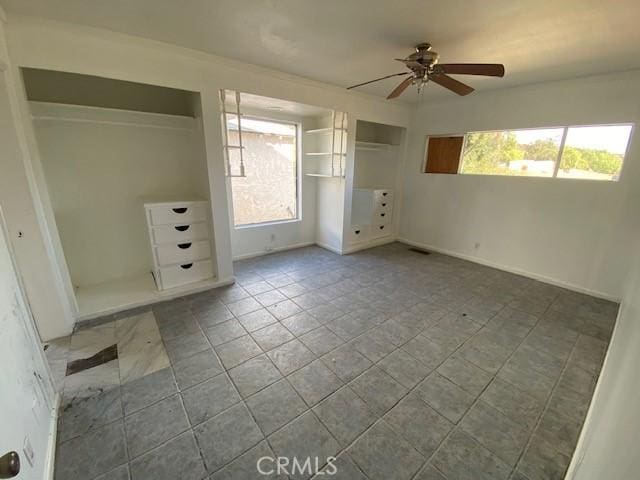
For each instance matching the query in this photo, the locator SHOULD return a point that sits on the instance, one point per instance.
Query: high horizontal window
(594, 152)
(530, 153)
(264, 184)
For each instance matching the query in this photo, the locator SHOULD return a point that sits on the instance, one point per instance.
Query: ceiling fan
(424, 67)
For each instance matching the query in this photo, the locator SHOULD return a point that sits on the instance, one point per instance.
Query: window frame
(298, 203)
(558, 159)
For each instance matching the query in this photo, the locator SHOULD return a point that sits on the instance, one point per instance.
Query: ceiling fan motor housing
(424, 67)
(423, 60)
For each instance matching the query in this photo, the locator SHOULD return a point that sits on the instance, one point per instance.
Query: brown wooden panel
(443, 154)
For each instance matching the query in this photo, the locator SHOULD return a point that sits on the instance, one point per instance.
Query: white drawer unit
(179, 233)
(373, 208)
(184, 252)
(383, 195)
(379, 231)
(180, 245)
(188, 212)
(181, 274)
(358, 233)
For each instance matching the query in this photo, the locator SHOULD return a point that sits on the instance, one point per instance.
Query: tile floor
(402, 365)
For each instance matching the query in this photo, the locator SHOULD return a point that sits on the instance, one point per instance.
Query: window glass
(268, 191)
(594, 152)
(531, 152)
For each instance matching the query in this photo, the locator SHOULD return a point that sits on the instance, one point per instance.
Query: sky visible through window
(610, 138)
(589, 152)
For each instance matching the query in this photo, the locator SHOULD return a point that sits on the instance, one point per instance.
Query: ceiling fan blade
(451, 84)
(411, 63)
(400, 88)
(487, 69)
(378, 79)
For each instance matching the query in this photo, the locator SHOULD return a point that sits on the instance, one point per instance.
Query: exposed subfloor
(401, 365)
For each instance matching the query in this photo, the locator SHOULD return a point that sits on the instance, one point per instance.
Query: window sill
(266, 224)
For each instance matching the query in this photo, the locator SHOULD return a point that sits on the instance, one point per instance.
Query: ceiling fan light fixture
(423, 66)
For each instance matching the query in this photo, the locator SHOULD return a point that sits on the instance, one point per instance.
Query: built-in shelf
(321, 175)
(372, 146)
(326, 130)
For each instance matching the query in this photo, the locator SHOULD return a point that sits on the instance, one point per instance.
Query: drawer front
(358, 233)
(176, 275)
(382, 195)
(185, 252)
(384, 203)
(179, 233)
(175, 214)
(380, 230)
(383, 216)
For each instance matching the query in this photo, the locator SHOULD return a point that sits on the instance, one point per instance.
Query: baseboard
(358, 247)
(330, 248)
(244, 256)
(50, 460)
(505, 268)
(369, 244)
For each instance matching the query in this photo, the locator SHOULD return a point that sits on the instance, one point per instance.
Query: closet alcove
(376, 184)
(110, 152)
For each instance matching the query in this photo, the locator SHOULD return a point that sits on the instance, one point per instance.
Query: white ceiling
(257, 102)
(347, 42)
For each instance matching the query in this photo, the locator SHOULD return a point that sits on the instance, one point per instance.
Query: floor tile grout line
(242, 400)
(225, 369)
(546, 407)
(224, 372)
(346, 448)
(540, 415)
(285, 378)
(390, 315)
(131, 459)
(191, 430)
(477, 399)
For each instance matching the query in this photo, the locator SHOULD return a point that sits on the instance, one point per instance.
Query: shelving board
(321, 175)
(323, 130)
(319, 154)
(372, 145)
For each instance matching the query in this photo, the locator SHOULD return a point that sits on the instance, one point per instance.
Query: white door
(26, 391)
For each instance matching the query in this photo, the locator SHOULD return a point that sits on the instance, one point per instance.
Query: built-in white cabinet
(372, 206)
(181, 251)
(371, 214)
(326, 146)
(376, 179)
(103, 154)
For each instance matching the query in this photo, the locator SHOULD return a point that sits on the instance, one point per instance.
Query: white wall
(377, 168)
(330, 213)
(571, 232)
(19, 199)
(608, 445)
(27, 395)
(98, 164)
